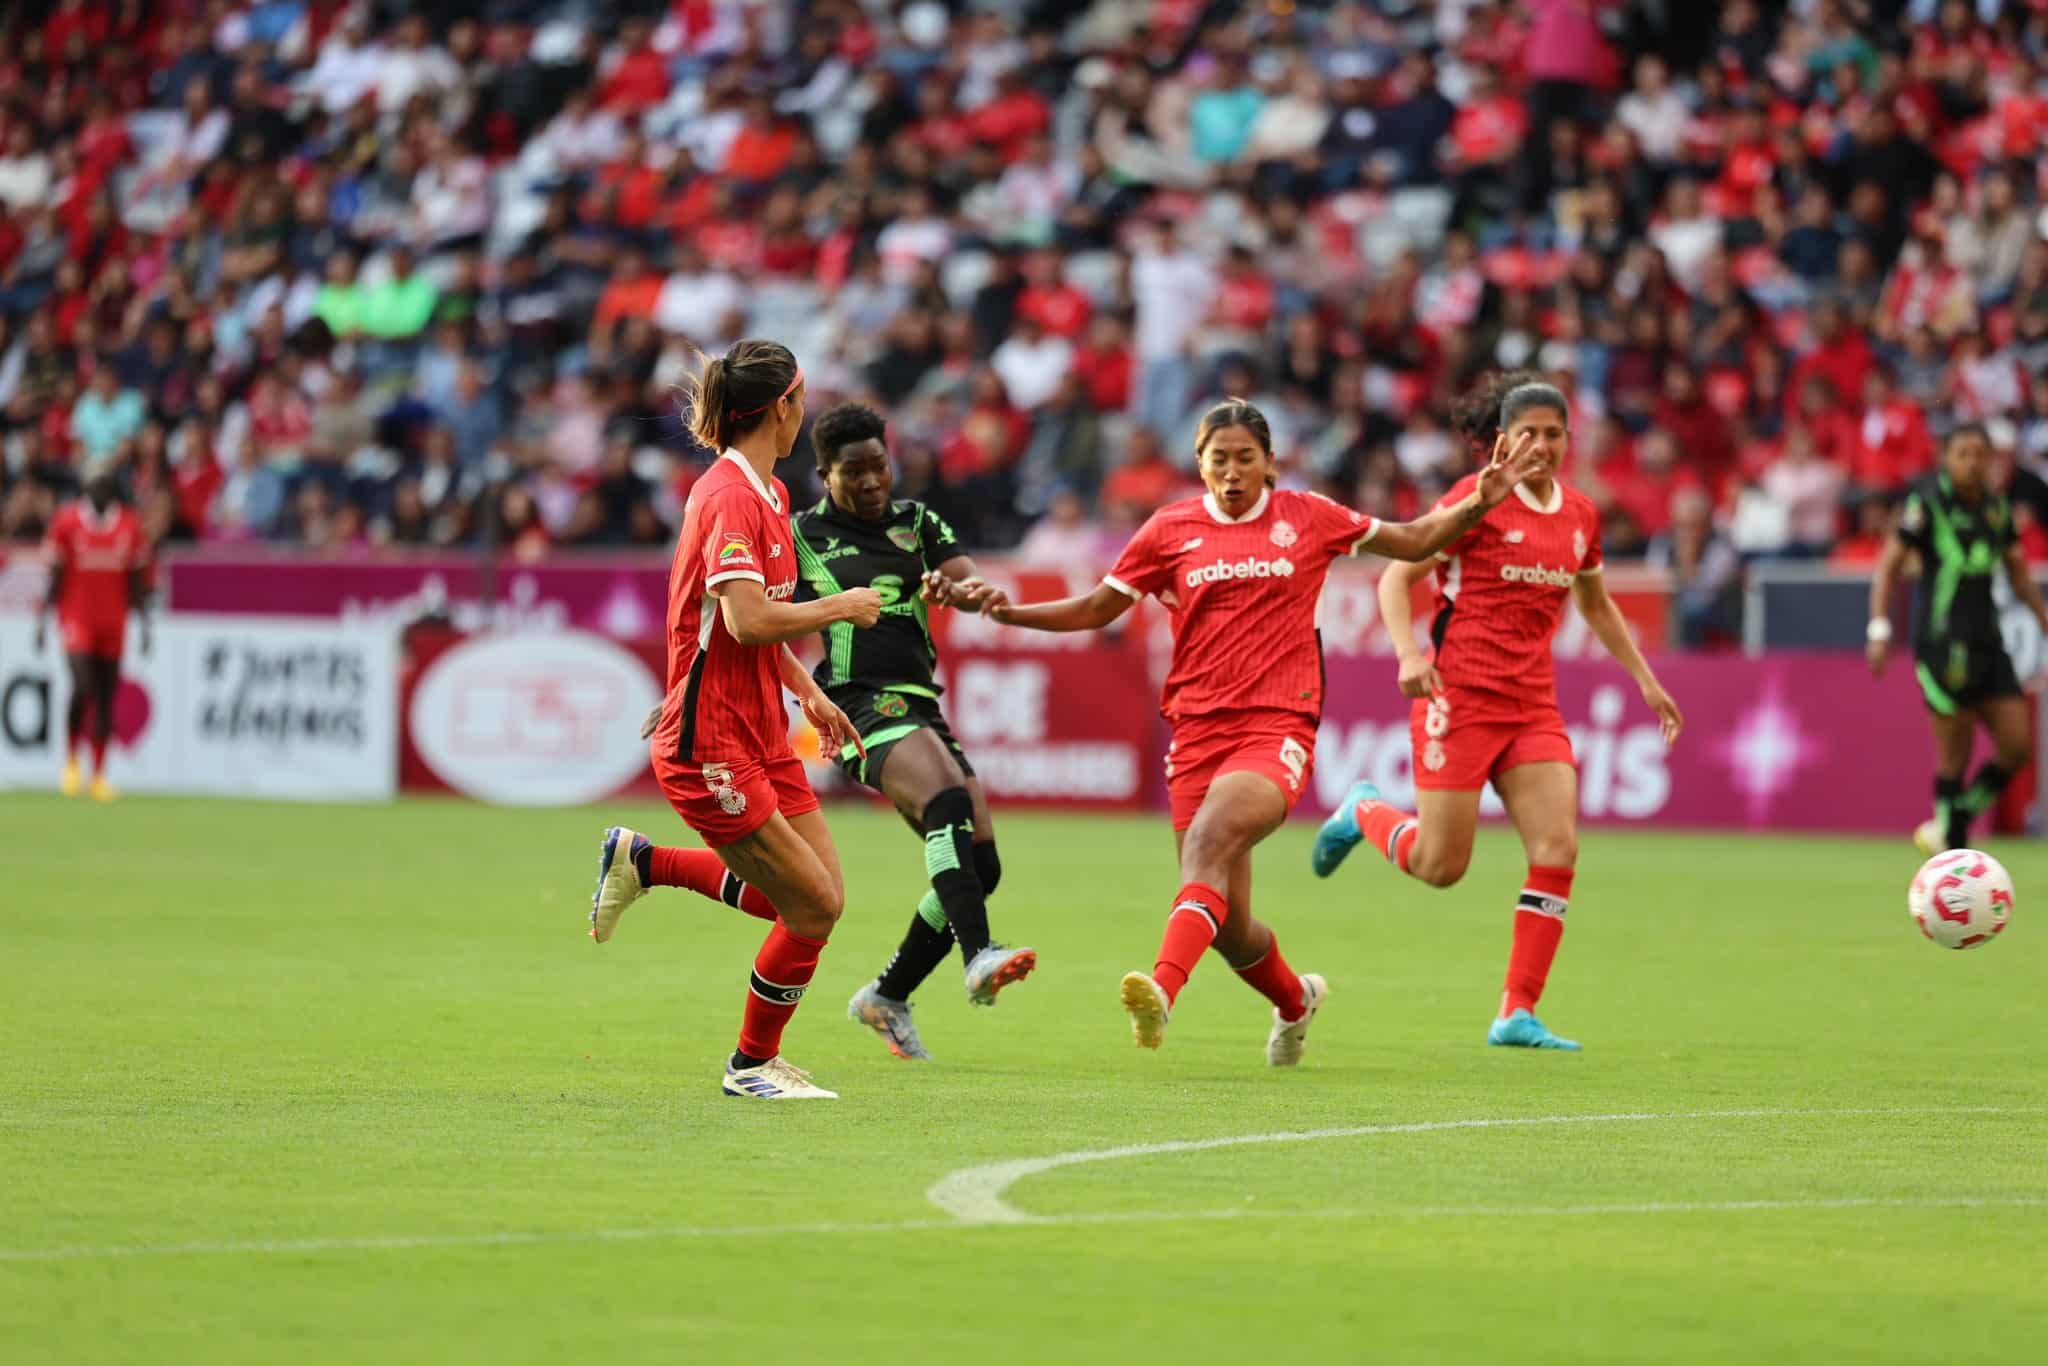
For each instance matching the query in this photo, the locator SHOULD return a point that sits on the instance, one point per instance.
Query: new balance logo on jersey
(1240, 569)
(1536, 573)
(1514, 537)
(775, 552)
(1194, 543)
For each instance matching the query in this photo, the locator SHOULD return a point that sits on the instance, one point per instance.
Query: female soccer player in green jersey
(858, 536)
(1961, 529)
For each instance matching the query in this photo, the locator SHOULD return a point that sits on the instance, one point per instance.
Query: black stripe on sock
(771, 991)
(1541, 903)
(731, 889)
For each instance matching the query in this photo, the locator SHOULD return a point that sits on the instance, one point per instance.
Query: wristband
(1878, 632)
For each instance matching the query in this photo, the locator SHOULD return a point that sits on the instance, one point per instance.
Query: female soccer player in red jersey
(720, 743)
(1485, 708)
(1241, 572)
(99, 573)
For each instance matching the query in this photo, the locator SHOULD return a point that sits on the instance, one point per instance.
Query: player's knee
(1560, 850)
(988, 867)
(1443, 871)
(1208, 844)
(2013, 755)
(818, 912)
(951, 807)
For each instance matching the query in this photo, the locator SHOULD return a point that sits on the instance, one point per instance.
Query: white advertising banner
(224, 705)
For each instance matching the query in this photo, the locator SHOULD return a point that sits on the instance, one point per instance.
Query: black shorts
(1958, 674)
(884, 719)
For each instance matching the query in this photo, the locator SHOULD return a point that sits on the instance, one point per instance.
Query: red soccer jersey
(1504, 583)
(97, 553)
(1243, 597)
(724, 698)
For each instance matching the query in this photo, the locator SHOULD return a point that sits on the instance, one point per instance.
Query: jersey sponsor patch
(1536, 573)
(1224, 570)
(734, 549)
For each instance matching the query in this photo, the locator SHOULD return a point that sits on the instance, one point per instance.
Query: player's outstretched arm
(957, 583)
(50, 600)
(1418, 540)
(1609, 627)
(752, 618)
(1091, 612)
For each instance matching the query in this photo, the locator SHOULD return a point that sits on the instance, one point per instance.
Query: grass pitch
(290, 1083)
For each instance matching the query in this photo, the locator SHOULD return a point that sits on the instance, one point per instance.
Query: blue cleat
(1340, 833)
(1520, 1029)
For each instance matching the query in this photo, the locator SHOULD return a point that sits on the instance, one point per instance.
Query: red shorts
(725, 803)
(99, 639)
(1463, 741)
(1279, 745)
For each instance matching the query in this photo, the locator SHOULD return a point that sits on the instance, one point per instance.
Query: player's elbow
(1401, 542)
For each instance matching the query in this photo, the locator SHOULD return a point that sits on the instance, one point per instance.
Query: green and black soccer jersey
(1956, 641)
(881, 676)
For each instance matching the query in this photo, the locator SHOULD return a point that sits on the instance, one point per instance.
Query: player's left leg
(1251, 948)
(921, 775)
(1955, 733)
(106, 683)
(2010, 723)
(1239, 809)
(1542, 798)
(82, 684)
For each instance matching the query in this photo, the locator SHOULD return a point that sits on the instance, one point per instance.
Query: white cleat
(1285, 1043)
(1929, 837)
(994, 968)
(774, 1080)
(618, 880)
(1145, 1001)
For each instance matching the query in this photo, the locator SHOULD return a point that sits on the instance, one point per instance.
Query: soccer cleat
(1284, 1044)
(774, 1080)
(890, 1019)
(1340, 833)
(994, 968)
(618, 880)
(102, 790)
(69, 784)
(1520, 1029)
(1930, 838)
(1146, 1002)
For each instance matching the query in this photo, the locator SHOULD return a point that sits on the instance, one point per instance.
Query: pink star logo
(1766, 751)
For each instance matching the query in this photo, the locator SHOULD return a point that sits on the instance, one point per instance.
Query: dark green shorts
(884, 719)
(1959, 674)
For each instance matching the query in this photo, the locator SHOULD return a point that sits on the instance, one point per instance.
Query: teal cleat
(1523, 1030)
(1340, 833)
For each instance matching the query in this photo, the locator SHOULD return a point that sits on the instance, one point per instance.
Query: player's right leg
(1251, 948)
(2009, 721)
(1542, 798)
(794, 863)
(1955, 731)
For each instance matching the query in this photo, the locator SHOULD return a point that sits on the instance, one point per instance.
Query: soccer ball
(1960, 899)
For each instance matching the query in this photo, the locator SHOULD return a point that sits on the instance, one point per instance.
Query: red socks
(782, 970)
(1539, 925)
(99, 755)
(1389, 830)
(701, 872)
(1274, 980)
(1198, 912)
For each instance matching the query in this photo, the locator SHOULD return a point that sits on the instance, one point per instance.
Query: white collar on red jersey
(1529, 499)
(1216, 508)
(747, 468)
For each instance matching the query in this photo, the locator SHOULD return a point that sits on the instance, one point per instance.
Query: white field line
(981, 1185)
(974, 1195)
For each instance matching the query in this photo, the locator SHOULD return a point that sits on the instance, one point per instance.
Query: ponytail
(732, 394)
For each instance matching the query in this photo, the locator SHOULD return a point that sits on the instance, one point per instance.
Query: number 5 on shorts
(1295, 756)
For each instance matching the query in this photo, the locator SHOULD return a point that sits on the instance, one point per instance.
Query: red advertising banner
(552, 717)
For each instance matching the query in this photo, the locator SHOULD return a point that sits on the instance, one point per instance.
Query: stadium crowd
(426, 274)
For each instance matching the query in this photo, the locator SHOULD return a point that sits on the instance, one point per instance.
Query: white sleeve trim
(717, 579)
(1120, 586)
(1372, 529)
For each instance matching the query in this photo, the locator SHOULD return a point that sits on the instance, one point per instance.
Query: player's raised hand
(861, 606)
(1419, 678)
(832, 724)
(1511, 464)
(1668, 715)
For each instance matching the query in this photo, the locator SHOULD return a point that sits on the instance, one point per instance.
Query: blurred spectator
(1705, 570)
